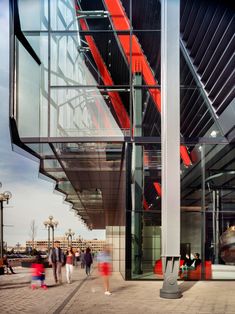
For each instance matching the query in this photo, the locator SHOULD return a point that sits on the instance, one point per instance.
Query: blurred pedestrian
(56, 259)
(70, 258)
(38, 273)
(88, 261)
(104, 267)
(77, 257)
(82, 259)
(7, 265)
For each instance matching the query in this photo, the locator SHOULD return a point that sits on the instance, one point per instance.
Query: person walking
(104, 267)
(88, 261)
(82, 259)
(77, 257)
(7, 265)
(38, 273)
(56, 259)
(69, 264)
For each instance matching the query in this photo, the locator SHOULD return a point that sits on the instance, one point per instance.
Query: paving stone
(85, 295)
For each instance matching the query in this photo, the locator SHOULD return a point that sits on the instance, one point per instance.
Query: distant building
(42, 245)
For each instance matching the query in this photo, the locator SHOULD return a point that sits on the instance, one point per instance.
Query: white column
(170, 136)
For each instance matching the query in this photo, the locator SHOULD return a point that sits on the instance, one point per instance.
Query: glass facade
(86, 80)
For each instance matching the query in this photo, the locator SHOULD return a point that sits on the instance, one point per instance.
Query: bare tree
(33, 232)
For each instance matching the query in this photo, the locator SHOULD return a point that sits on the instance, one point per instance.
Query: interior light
(213, 133)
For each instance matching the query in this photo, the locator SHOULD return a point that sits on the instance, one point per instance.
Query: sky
(32, 197)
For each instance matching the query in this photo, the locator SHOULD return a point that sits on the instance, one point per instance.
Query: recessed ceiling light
(213, 133)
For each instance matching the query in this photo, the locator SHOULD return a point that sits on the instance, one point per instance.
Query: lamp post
(69, 234)
(50, 223)
(4, 197)
(18, 247)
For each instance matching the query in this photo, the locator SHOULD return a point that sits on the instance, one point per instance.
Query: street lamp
(18, 247)
(69, 234)
(50, 224)
(4, 197)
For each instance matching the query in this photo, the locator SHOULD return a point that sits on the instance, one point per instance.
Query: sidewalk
(85, 295)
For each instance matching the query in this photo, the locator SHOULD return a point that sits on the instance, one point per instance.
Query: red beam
(158, 188)
(139, 61)
(185, 156)
(145, 204)
(120, 110)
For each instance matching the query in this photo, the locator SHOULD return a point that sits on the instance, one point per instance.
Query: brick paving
(85, 295)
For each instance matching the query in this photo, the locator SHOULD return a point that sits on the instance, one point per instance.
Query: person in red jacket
(38, 273)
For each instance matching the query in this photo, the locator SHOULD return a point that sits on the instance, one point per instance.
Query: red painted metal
(158, 188)
(139, 62)
(145, 204)
(185, 156)
(120, 110)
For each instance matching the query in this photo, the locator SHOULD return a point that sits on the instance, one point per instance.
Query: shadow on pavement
(122, 288)
(186, 285)
(15, 286)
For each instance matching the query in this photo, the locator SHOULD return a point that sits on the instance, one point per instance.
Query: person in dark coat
(88, 261)
(56, 259)
(196, 261)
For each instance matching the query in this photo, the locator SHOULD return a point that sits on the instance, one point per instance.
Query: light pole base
(170, 293)
(170, 289)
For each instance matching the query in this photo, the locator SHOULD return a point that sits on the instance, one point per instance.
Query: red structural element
(185, 155)
(158, 188)
(145, 204)
(118, 106)
(139, 62)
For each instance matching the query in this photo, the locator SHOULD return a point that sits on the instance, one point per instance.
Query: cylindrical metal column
(217, 233)
(48, 239)
(170, 143)
(1, 226)
(213, 224)
(137, 178)
(52, 227)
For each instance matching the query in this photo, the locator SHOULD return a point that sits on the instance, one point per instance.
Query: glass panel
(146, 247)
(145, 15)
(42, 149)
(33, 14)
(27, 94)
(151, 117)
(220, 210)
(87, 60)
(81, 112)
(190, 243)
(63, 15)
(122, 253)
(67, 65)
(39, 43)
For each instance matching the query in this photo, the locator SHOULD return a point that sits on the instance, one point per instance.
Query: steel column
(217, 236)
(52, 236)
(138, 177)
(203, 208)
(1, 226)
(48, 240)
(170, 133)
